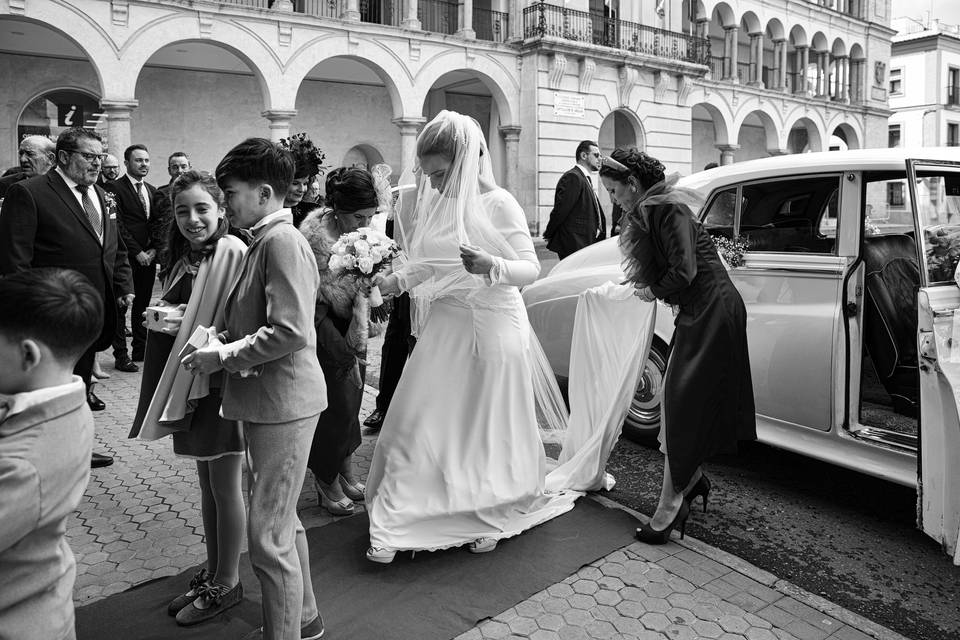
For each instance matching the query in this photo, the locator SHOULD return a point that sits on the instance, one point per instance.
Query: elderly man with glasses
(63, 219)
(36, 158)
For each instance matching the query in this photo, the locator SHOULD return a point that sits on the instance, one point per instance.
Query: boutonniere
(111, 201)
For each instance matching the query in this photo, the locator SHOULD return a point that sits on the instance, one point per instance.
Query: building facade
(924, 85)
(691, 81)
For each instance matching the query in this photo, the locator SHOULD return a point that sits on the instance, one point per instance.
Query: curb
(787, 588)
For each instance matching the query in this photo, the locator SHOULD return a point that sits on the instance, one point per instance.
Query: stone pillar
(515, 11)
(756, 60)
(411, 21)
(465, 20)
(118, 124)
(783, 65)
(703, 28)
(409, 128)
(822, 75)
(731, 54)
(803, 61)
(352, 11)
(726, 152)
(279, 122)
(843, 68)
(776, 75)
(511, 138)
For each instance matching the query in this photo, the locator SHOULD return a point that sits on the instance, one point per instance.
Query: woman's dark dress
(707, 394)
(207, 435)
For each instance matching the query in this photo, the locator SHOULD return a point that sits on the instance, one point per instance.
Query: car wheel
(642, 423)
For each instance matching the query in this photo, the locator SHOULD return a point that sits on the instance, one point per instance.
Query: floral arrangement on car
(731, 250)
(363, 254)
(943, 253)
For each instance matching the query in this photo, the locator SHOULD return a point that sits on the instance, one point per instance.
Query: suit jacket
(163, 212)
(268, 315)
(43, 225)
(44, 467)
(576, 220)
(8, 181)
(138, 232)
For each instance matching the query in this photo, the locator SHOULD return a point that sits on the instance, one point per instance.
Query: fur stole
(340, 292)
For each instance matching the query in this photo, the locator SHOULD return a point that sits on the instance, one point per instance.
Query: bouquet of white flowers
(364, 253)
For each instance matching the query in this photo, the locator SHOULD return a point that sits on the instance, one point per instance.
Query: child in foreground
(48, 319)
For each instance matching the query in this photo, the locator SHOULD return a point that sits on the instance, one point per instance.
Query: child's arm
(20, 506)
(290, 282)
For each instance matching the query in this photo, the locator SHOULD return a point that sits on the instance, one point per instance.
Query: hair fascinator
(308, 158)
(607, 161)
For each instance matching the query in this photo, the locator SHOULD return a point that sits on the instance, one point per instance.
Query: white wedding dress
(461, 454)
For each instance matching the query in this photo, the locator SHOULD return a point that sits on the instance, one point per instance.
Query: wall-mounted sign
(568, 105)
(69, 115)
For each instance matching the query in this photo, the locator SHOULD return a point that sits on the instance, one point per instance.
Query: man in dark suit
(36, 158)
(62, 219)
(109, 171)
(577, 219)
(177, 164)
(138, 220)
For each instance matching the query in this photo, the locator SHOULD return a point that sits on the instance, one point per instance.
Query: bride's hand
(475, 260)
(645, 294)
(389, 285)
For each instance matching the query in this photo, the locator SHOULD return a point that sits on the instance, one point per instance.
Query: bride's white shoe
(381, 555)
(482, 545)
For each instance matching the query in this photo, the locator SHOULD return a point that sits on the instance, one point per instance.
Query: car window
(790, 215)
(719, 214)
(938, 205)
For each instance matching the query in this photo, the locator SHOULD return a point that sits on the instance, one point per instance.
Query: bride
(460, 459)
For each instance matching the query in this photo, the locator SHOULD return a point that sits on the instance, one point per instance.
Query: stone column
(515, 11)
(411, 21)
(352, 11)
(755, 71)
(409, 128)
(703, 28)
(465, 20)
(844, 68)
(726, 152)
(731, 54)
(511, 138)
(118, 124)
(783, 65)
(822, 75)
(803, 61)
(279, 122)
(777, 76)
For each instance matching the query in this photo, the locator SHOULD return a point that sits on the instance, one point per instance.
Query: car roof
(820, 162)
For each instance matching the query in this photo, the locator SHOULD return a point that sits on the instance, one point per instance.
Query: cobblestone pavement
(140, 519)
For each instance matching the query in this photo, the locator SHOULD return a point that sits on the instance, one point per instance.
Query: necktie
(143, 201)
(90, 210)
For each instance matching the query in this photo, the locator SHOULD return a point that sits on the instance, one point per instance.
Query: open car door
(934, 189)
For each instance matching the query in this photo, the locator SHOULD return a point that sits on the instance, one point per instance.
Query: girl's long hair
(177, 245)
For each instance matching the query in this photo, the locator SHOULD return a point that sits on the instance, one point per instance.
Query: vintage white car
(848, 281)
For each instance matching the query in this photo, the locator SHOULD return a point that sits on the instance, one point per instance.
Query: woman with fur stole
(342, 320)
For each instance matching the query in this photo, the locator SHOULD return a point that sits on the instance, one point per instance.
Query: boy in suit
(274, 384)
(48, 318)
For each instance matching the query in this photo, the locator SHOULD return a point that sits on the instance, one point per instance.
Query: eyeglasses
(89, 157)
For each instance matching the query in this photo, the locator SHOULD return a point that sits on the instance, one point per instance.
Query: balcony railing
(491, 25)
(438, 16)
(542, 19)
(952, 97)
(374, 11)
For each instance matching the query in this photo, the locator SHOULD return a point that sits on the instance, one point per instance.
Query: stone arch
(775, 30)
(722, 118)
(364, 155)
(391, 70)
(819, 42)
(798, 36)
(838, 48)
(611, 134)
(709, 129)
(725, 14)
(812, 140)
(767, 118)
(84, 33)
(750, 23)
(183, 28)
(847, 132)
(502, 85)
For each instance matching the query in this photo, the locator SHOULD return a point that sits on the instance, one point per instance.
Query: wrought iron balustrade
(547, 20)
(374, 11)
(438, 16)
(491, 25)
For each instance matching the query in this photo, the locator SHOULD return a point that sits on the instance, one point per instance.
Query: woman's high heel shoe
(341, 507)
(648, 534)
(702, 489)
(352, 491)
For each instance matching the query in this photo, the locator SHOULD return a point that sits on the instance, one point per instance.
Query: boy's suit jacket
(268, 316)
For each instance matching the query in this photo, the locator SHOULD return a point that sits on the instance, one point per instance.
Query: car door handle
(927, 348)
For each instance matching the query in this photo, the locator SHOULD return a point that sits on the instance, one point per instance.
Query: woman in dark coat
(707, 392)
(308, 166)
(342, 321)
